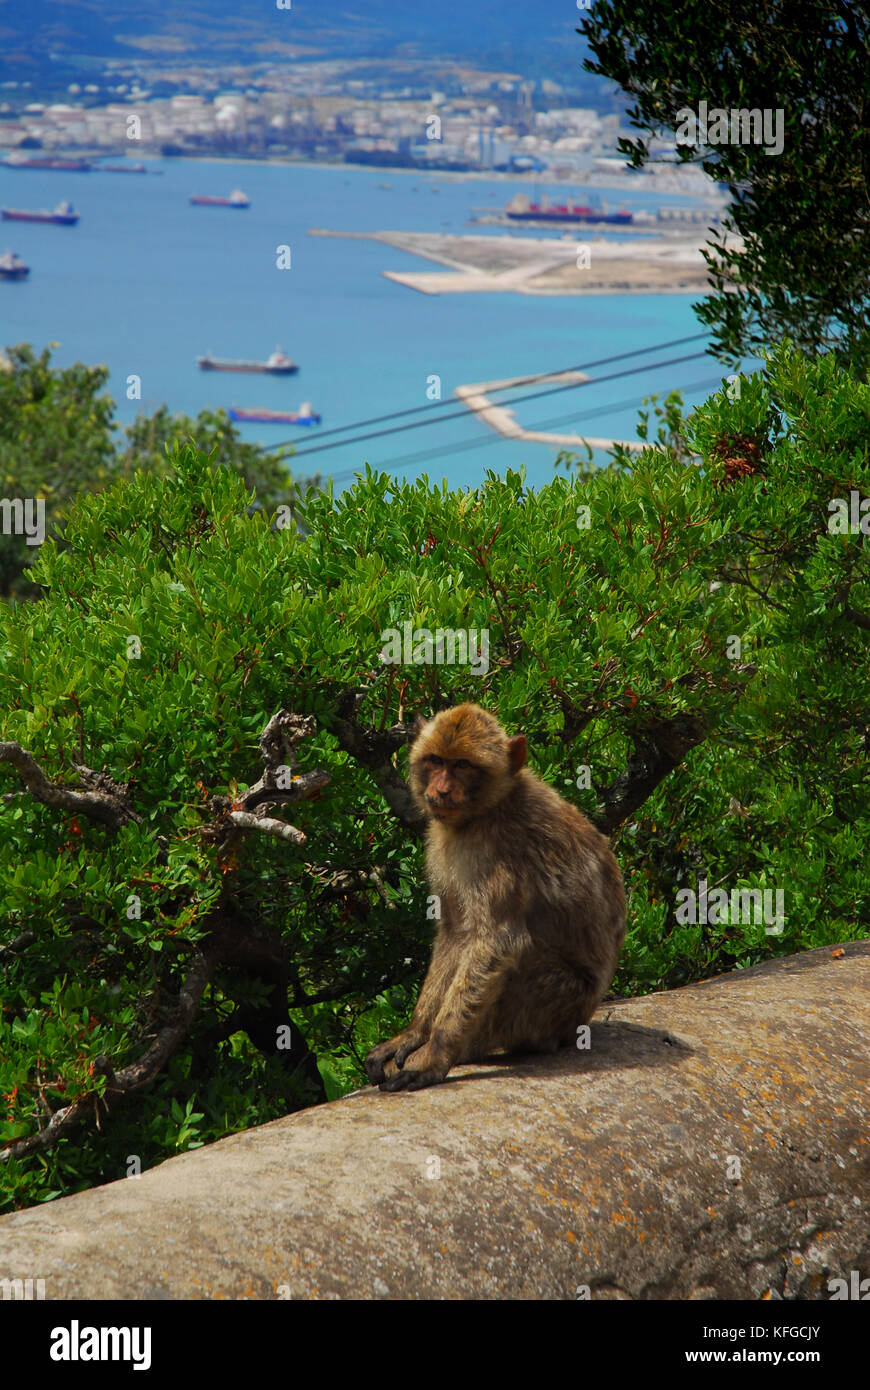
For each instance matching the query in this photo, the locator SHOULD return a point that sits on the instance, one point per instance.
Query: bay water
(146, 282)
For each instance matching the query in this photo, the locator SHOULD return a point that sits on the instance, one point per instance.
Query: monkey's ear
(419, 724)
(517, 752)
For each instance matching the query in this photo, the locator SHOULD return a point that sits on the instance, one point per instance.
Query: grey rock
(601, 1168)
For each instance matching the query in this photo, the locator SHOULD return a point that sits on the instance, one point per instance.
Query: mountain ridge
(488, 33)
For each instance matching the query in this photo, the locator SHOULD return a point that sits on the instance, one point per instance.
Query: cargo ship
(69, 166)
(121, 169)
(12, 267)
(237, 199)
(277, 364)
(64, 215)
(519, 209)
(303, 416)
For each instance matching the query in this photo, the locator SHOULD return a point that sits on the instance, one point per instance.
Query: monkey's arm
(471, 992)
(438, 976)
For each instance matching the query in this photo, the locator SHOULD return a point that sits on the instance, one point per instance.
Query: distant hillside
(535, 39)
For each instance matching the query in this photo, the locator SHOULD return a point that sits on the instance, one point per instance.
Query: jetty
(671, 264)
(477, 398)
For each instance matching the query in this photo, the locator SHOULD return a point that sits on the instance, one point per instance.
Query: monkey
(532, 906)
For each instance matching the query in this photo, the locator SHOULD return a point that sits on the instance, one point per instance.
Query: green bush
(694, 634)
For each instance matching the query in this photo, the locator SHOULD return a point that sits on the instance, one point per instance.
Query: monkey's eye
(435, 762)
(462, 763)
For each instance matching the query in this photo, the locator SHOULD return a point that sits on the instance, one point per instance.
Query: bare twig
(247, 820)
(302, 786)
(337, 883)
(279, 785)
(278, 746)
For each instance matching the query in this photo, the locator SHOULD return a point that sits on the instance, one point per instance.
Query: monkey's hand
(388, 1057)
(429, 1067)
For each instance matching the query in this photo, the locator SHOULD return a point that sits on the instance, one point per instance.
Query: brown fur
(532, 906)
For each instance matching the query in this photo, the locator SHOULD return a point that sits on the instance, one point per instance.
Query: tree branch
(374, 749)
(658, 750)
(247, 820)
(103, 800)
(18, 945)
(279, 785)
(278, 746)
(246, 946)
(130, 1078)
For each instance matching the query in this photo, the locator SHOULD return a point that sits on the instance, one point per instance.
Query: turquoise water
(146, 282)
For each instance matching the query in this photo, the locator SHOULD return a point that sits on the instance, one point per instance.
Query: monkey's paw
(429, 1069)
(413, 1080)
(384, 1060)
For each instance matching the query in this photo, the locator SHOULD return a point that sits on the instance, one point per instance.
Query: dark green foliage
(612, 644)
(804, 213)
(214, 434)
(55, 441)
(58, 438)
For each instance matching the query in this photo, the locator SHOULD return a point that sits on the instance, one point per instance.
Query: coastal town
(439, 118)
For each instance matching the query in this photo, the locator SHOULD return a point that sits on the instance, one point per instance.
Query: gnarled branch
(278, 746)
(103, 799)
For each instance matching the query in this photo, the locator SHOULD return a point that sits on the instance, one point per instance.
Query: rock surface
(712, 1143)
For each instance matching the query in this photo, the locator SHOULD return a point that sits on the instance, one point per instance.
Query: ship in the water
(303, 416)
(12, 267)
(16, 160)
(237, 199)
(64, 215)
(129, 168)
(520, 209)
(276, 364)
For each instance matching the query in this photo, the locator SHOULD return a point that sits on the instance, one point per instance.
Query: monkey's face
(463, 764)
(450, 787)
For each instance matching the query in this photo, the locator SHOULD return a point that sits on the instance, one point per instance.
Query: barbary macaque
(532, 907)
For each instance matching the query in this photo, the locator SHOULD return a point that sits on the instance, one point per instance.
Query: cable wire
(466, 410)
(425, 455)
(433, 406)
